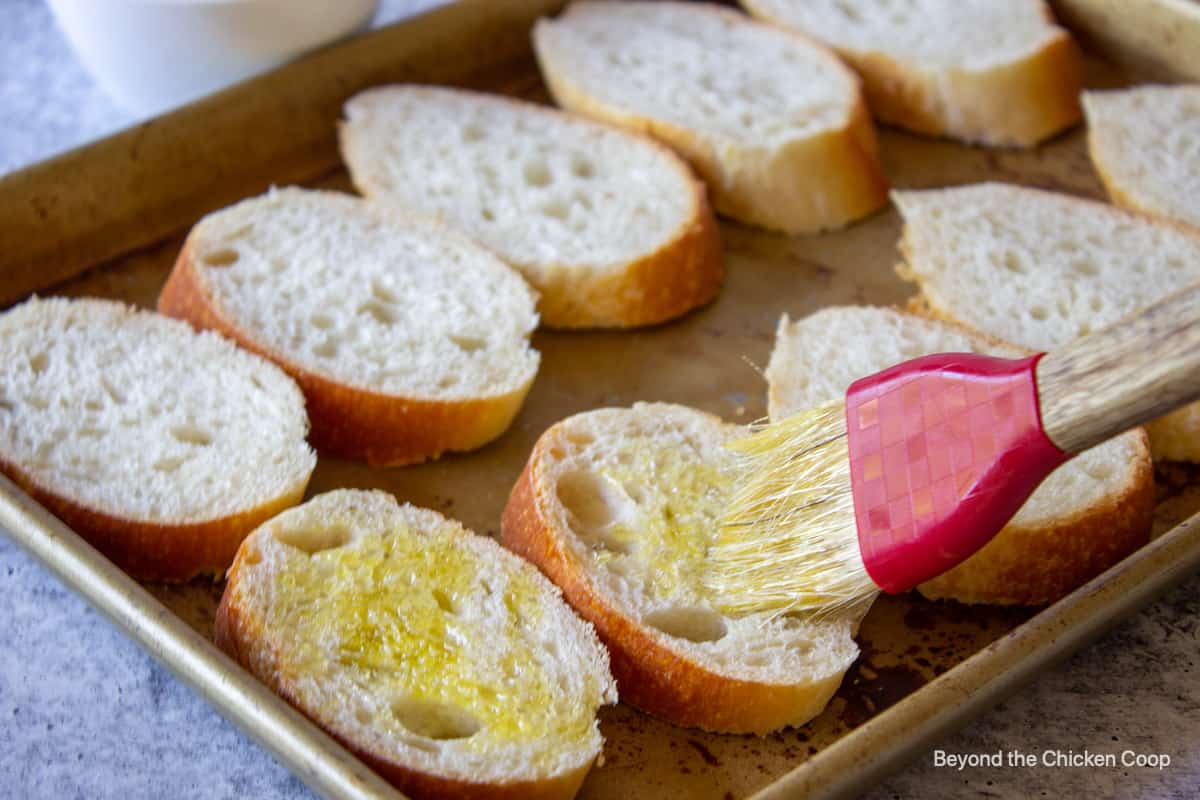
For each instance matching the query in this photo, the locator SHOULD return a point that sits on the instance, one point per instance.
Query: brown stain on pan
(705, 753)
(868, 690)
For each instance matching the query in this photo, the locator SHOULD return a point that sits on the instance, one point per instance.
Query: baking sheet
(913, 650)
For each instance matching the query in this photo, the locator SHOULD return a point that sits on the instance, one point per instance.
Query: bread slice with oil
(406, 339)
(160, 446)
(1145, 143)
(447, 664)
(1039, 269)
(1088, 515)
(994, 73)
(772, 121)
(618, 506)
(611, 228)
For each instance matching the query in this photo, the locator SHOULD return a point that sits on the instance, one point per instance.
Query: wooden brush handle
(1118, 378)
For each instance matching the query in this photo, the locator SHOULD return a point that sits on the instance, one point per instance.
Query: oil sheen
(410, 617)
(679, 497)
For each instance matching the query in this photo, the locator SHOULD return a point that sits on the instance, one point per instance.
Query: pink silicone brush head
(920, 467)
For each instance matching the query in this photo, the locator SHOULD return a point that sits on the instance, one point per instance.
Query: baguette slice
(1040, 269)
(618, 507)
(448, 665)
(772, 121)
(407, 340)
(1145, 143)
(996, 73)
(612, 229)
(160, 446)
(1087, 516)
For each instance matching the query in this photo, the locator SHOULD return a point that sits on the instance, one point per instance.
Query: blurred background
(51, 101)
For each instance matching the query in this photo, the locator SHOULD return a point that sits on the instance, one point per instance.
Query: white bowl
(152, 55)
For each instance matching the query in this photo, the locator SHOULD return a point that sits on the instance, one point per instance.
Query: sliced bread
(1145, 144)
(1087, 516)
(772, 121)
(618, 506)
(1039, 269)
(406, 339)
(447, 664)
(612, 229)
(160, 446)
(996, 73)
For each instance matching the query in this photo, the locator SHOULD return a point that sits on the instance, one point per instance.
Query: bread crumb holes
(313, 540)
(437, 721)
(225, 257)
(691, 623)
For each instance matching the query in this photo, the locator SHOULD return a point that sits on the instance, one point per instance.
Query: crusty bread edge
(1119, 196)
(1164, 443)
(1035, 565)
(348, 421)
(1123, 198)
(1010, 105)
(844, 163)
(158, 551)
(234, 633)
(1163, 434)
(681, 274)
(1023, 565)
(649, 675)
(1017, 105)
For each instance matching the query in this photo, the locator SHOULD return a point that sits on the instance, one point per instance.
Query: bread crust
(1121, 198)
(1012, 105)
(649, 675)
(1035, 565)
(756, 185)
(1174, 436)
(348, 421)
(1017, 105)
(1038, 564)
(682, 274)
(241, 636)
(1127, 199)
(157, 551)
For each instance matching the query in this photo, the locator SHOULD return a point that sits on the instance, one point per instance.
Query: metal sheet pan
(116, 211)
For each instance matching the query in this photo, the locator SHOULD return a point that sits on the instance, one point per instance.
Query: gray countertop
(85, 713)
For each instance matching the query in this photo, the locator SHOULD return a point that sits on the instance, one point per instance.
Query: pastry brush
(925, 462)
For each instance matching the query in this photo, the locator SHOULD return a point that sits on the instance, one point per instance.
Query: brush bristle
(788, 540)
